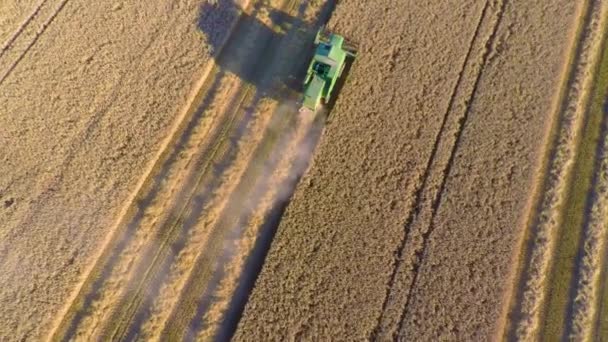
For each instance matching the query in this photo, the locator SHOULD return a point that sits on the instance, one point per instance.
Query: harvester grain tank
(325, 69)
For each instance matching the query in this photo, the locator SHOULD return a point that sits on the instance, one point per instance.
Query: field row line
(39, 33)
(21, 28)
(420, 221)
(545, 217)
(488, 44)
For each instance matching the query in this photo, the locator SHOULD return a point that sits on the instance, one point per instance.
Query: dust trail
(587, 295)
(274, 186)
(163, 300)
(547, 219)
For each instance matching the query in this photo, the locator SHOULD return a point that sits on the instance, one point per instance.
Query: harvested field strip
(205, 268)
(173, 239)
(21, 28)
(203, 281)
(598, 315)
(575, 210)
(545, 218)
(146, 191)
(162, 292)
(220, 320)
(237, 217)
(419, 223)
(148, 272)
(587, 265)
(37, 35)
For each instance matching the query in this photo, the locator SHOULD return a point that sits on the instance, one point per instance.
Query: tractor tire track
(545, 218)
(39, 33)
(419, 224)
(485, 57)
(79, 139)
(21, 28)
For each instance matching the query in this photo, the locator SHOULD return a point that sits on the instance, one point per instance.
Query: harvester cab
(325, 69)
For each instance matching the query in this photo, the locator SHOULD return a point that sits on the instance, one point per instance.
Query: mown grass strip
(574, 211)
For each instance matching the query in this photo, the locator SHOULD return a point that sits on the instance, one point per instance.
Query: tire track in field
(545, 218)
(419, 224)
(186, 235)
(39, 33)
(145, 318)
(485, 58)
(21, 28)
(188, 121)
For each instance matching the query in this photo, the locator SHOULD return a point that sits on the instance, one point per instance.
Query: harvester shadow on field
(249, 58)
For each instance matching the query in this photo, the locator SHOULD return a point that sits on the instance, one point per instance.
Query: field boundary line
(148, 173)
(21, 28)
(544, 219)
(39, 33)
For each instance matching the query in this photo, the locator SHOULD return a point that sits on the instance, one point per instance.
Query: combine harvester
(325, 69)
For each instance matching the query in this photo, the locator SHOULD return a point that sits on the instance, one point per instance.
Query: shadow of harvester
(268, 49)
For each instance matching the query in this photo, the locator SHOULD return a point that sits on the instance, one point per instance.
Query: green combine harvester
(325, 69)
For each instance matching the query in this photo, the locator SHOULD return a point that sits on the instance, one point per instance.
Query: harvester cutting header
(325, 69)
